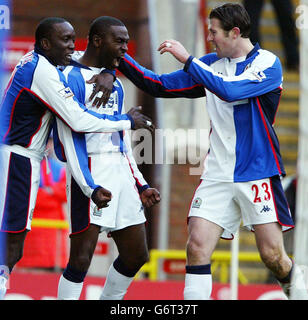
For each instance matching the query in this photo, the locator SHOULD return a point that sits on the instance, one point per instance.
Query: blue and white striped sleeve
(70, 146)
(141, 183)
(49, 86)
(263, 76)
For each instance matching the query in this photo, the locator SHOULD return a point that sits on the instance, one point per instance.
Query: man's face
(223, 43)
(61, 44)
(114, 46)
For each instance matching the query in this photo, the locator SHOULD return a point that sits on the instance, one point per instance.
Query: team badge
(97, 212)
(197, 203)
(31, 214)
(247, 67)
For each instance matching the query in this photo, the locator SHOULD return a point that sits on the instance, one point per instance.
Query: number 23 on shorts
(261, 192)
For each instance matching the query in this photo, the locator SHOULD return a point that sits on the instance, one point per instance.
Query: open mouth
(67, 59)
(69, 56)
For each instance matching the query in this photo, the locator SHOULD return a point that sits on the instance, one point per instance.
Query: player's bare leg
(203, 236)
(81, 252)
(269, 241)
(133, 253)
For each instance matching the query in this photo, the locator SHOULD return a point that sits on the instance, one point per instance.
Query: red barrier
(42, 286)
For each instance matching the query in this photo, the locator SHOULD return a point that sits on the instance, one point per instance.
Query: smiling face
(60, 45)
(222, 40)
(113, 46)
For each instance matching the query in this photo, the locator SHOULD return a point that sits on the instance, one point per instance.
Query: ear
(236, 32)
(97, 41)
(45, 44)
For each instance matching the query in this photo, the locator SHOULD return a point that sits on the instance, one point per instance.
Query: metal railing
(221, 259)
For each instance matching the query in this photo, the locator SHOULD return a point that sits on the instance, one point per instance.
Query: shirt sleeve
(263, 76)
(50, 87)
(71, 147)
(141, 183)
(172, 85)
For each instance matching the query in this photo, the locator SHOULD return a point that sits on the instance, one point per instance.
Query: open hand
(175, 48)
(103, 88)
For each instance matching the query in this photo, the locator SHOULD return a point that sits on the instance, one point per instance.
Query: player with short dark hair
(100, 26)
(106, 158)
(36, 93)
(44, 29)
(231, 16)
(242, 171)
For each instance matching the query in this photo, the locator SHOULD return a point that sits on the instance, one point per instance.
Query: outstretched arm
(177, 84)
(263, 76)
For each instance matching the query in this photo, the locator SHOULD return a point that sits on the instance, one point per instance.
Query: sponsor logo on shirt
(259, 74)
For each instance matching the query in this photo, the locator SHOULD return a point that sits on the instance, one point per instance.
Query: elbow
(229, 95)
(79, 126)
(75, 127)
(225, 96)
(230, 98)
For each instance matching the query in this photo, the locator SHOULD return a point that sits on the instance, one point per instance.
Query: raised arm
(264, 74)
(262, 77)
(172, 85)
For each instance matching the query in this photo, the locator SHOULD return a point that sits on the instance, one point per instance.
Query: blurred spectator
(46, 247)
(284, 14)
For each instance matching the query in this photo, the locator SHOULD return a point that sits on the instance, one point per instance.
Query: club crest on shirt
(197, 203)
(247, 67)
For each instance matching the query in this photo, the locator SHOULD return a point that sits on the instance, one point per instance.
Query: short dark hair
(44, 28)
(102, 24)
(233, 15)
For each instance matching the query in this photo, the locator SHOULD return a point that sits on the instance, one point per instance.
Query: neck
(243, 48)
(90, 59)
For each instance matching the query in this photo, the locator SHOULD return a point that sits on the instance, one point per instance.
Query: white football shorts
(111, 171)
(253, 202)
